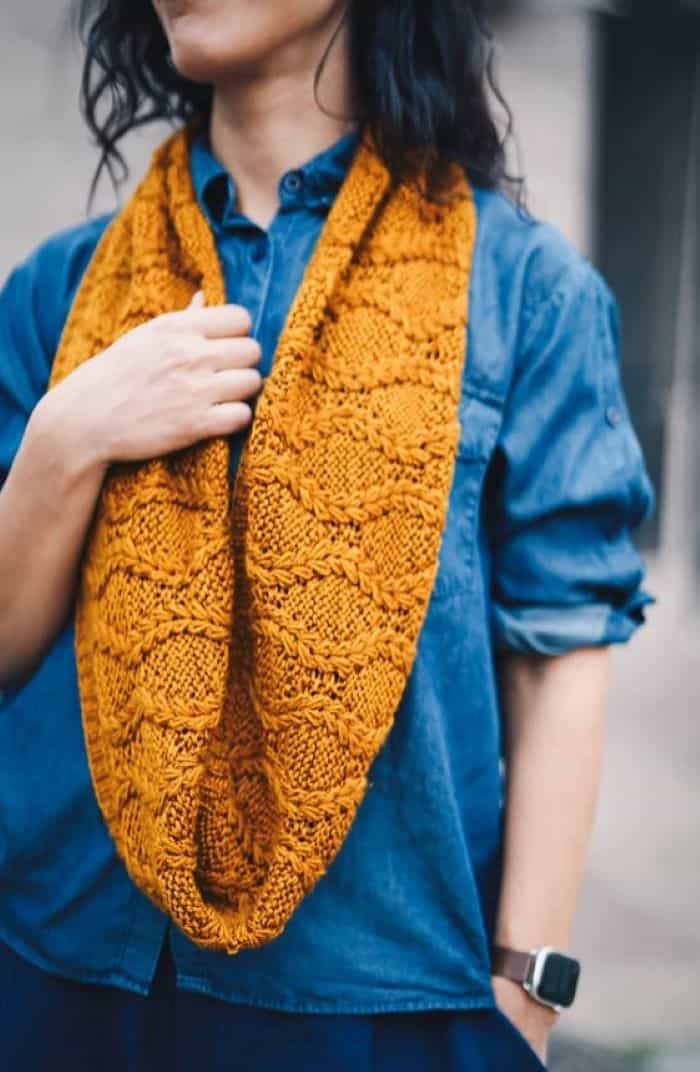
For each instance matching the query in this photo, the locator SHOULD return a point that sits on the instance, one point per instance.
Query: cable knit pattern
(242, 652)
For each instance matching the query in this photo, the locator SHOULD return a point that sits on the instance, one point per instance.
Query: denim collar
(312, 186)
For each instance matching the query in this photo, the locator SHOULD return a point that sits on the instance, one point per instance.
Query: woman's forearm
(554, 712)
(46, 505)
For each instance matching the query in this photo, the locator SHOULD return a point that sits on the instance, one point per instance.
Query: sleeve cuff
(556, 630)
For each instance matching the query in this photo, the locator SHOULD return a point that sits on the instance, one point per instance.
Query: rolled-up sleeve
(34, 303)
(568, 484)
(24, 363)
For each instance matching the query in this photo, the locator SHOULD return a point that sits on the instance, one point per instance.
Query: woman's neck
(265, 125)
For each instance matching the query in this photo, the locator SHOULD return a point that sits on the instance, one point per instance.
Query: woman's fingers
(233, 385)
(216, 321)
(227, 418)
(212, 321)
(240, 352)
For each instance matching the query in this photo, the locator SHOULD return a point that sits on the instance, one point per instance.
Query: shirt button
(293, 181)
(257, 253)
(613, 416)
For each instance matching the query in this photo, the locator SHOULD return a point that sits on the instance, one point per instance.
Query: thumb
(197, 301)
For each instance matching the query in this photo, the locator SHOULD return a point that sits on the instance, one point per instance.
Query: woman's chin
(201, 59)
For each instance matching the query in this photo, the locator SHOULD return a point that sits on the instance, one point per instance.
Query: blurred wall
(47, 160)
(547, 67)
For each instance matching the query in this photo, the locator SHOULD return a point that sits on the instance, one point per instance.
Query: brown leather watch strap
(512, 964)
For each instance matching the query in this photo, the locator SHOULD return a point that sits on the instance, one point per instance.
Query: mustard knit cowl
(242, 651)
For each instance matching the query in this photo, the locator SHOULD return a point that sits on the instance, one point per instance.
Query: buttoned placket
(249, 268)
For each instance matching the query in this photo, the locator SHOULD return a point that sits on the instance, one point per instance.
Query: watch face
(559, 979)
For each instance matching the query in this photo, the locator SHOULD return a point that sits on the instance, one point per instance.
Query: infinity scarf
(242, 650)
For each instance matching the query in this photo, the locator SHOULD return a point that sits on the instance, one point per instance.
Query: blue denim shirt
(536, 556)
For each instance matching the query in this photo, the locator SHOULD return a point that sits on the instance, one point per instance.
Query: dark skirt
(47, 1021)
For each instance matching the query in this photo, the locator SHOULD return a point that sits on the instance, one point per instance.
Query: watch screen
(559, 979)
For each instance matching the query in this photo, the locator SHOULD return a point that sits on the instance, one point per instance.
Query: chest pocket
(480, 422)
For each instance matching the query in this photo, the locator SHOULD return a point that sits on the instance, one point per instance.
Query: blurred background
(606, 105)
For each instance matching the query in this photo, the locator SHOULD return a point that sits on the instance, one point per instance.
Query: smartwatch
(548, 975)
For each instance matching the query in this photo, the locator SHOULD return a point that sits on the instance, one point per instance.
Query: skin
(554, 712)
(261, 59)
(190, 374)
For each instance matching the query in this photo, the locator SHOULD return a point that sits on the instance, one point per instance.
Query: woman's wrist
(61, 438)
(516, 996)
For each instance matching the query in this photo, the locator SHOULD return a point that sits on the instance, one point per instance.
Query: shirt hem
(100, 978)
(468, 1001)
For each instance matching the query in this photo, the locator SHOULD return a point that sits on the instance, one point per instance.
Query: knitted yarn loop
(242, 651)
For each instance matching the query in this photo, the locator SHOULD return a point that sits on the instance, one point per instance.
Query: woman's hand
(533, 1021)
(177, 379)
(165, 385)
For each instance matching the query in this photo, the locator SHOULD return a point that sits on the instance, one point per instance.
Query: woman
(303, 856)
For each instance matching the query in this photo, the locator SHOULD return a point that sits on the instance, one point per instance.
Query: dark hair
(422, 70)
